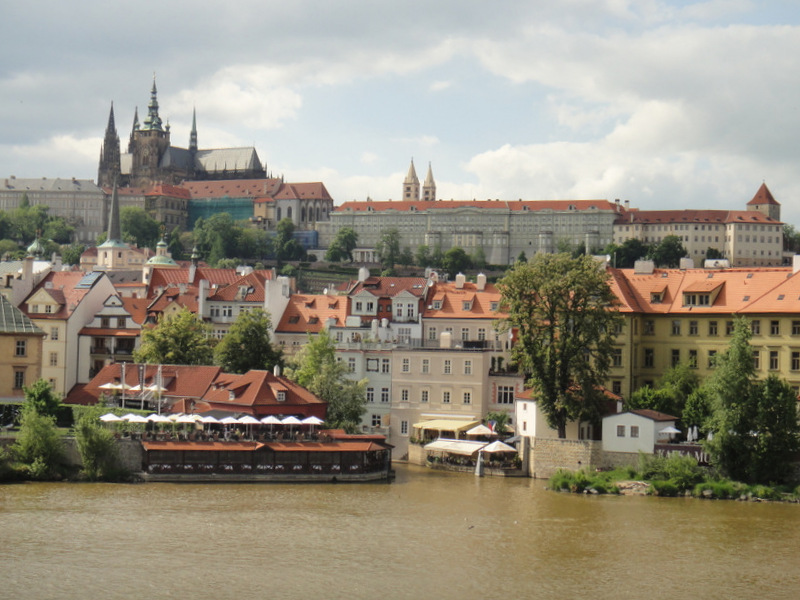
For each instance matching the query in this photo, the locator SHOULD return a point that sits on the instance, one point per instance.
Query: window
(676, 327)
(712, 328)
(21, 349)
(410, 310)
(448, 367)
(693, 328)
(54, 359)
(464, 334)
(481, 334)
(620, 430)
(712, 359)
(467, 397)
(649, 327)
(505, 394)
(385, 365)
(634, 431)
(756, 360)
(755, 327)
(403, 427)
(676, 357)
(445, 397)
(372, 365)
(398, 310)
(227, 311)
(426, 365)
(370, 394)
(795, 327)
(466, 305)
(384, 395)
(728, 327)
(121, 323)
(773, 360)
(795, 360)
(351, 364)
(649, 357)
(432, 333)
(370, 307)
(105, 322)
(467, 367)
(376, 420)
(54, 333)
(406, 365)
(48, 308)
(616, 387)
(19, 379)
(774, 327)
(424, 395)
(616, 357)
(404, 395)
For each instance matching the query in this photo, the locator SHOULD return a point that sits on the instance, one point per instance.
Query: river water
(426, 535)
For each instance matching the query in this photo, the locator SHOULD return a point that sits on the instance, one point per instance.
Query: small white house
(635, 430)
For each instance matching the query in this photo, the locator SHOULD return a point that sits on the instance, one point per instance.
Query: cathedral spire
(152, 121)
(429, 187)
(114, 230)
(193, 134)
(411, 184)
(110, 166)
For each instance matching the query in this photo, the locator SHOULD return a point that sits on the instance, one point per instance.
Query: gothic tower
(765, 203)
(109, 169)
(429, 187)
(411, 184)
(150, 142)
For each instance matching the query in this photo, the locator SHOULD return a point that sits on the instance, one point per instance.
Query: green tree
(754, 424)
(174, 245)
(137, 225)
(714, 254)
(315, 367)
(38, 445)
(668, 252)
(437, 257)
(563, 311)
(500, 419)
(388, 248)
(521, 258)
(478, 258)
(12, 249)
(180, 339)
(219, 229)
(284, 245)
(71, 255)
(422, 257)
(456, 260)
(96, 445)
(41, 398)
(58, 230)
(247, 345)
(406, 257)
(791, 238)
(342, 246)
(626, 255)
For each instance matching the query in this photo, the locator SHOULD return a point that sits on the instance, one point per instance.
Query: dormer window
(466, 305)
(281, 396)
(437, 304)
(294, 319)
(655, 297)
(494, 305)
(48, 308)
(697, 299)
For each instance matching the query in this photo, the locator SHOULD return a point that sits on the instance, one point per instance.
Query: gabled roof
(227, 159)
(215, 277)
(13, 320)
(66, 288)
(653, 415)
(233, 188)
(258, 391)
(388, 287)
(248, 288)
(308, 313)
(303, 191)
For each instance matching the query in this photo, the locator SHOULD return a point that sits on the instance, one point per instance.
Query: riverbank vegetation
(673, 475)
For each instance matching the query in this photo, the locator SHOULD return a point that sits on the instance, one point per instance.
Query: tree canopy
(388, 248)
(138, 226)
(247, 345)
(668, 252)
(562, 310)
(342, 246)
(179, 339)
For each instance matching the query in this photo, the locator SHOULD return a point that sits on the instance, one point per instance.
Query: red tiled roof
(308, 313)
(60, 285)
(388, 287)
(208, 446)
(254, 282)
(655, 217)
(107, 331)
(763, 196)
(348, 446)
(452, 301)
(653, 415)
(513, 205)
(233, 188)
(302, 191)
(136, 307)
(173, 191)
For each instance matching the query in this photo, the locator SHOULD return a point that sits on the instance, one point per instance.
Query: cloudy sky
(666, 103)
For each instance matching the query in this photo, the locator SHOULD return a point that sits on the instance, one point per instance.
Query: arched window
(289, 213)
(279, 215)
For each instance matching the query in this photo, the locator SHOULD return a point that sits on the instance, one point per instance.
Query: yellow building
(20, 351)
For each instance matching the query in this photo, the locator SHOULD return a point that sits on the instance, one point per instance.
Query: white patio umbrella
(131, 418)
(154, 418)
(111, 418)
(229, 421)
(312, 420)
(271, 420)
(209, 420)
(291, 421)
(669, 430)
(498, 446)
(185, 419)
(480, 429)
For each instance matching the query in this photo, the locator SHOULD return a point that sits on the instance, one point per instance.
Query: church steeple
(109, 167)
(152, 121)
(193, 134)
(114, 230)
(411, 184)
(134, 128)
(429, 187)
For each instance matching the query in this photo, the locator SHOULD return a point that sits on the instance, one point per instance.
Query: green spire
(152, 121)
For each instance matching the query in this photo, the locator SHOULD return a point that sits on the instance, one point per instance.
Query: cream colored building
(20, 351)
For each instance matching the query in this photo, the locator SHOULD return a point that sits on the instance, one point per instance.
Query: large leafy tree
(456, 260)
(247, 345)
(98, 449)
(179, 339)
(388, 248)
(284, 245)
(562, 312)
(668, 252)
(41, 398)
(137, 225)
(624, 256)
(315, 367)
(754, 423)
(342, 246)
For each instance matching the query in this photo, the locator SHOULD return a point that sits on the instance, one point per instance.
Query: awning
(465, 447)
(446, 425)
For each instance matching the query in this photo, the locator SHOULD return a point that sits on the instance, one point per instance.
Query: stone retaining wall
(549, 455)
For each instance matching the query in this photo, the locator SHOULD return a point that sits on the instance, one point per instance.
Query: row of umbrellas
(208, 419)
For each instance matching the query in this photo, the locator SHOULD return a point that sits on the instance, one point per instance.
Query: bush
(38, 444)
(719, 489)
(581, 481)
(665, 488)
(98, 449)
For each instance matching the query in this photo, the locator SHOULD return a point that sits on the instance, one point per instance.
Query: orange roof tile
(308, 313)
(763, 196)
(453, 299)
(60, 286)
(233, 188)
(655, 217)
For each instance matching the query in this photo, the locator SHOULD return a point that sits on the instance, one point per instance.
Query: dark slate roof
(12, 320)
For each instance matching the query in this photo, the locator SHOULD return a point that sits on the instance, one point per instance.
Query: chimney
(795, 263)
(444, 339)
(480, 282)
(202, 292)
(276, 370)
(627, 204)
(460, 279)
(27, 268)
(363, 274)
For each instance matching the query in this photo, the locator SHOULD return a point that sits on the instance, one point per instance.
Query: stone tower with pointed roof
(109, 168)
(429, 187)
(411, 184)
(764, 203)
(152, 159)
